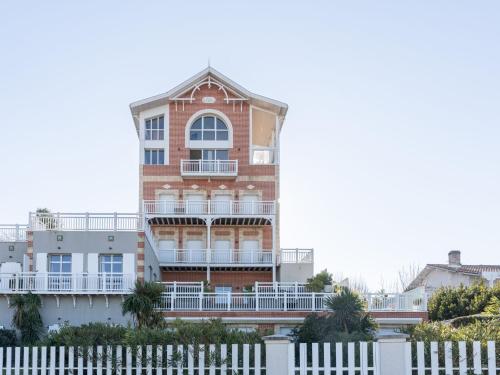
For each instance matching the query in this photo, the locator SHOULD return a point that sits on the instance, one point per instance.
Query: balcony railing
(296, 256)
(86, 221)
(216, 256)
(82, 283)
(209, 207)
(13, 232)
(209, 168)
(276, 301)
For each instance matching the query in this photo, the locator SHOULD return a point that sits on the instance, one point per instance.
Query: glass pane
(222, 155)
(148, 135)
(106, 258)
(117, 267)
(160, 135)
(148, 124)
(195, 135)
(208, 154)
(154, 123)
(155, 135)
(222, 135)
(66, 267)
(221, 125)
(195, 154)
(209, 122)
(147, 157)
(106, 267)
(66, 258)
(196, 125)
(160, 122)
(209, 135)
(161, 157)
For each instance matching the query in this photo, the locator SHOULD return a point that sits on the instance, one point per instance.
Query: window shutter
(77, 263)
(93, 263)
(41, 262)
(129, 264)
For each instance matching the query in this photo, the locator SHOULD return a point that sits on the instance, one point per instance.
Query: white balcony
(66, 283)
(58, 221)
(183, 208)
(209, 168)
(13, 232)
(296, 256)
(217, 257)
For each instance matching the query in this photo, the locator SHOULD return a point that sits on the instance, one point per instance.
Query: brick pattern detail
(140, 256)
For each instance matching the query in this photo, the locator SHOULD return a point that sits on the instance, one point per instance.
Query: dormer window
(208, 128)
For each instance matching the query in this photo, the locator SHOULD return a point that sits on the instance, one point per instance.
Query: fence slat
(149, 357)
(448, 358)
(434, 358)
(26, 360)
(246, 359)
(339, 360)
(138, 361)
(234, 354)
(315, 359)
(303, 359)
(80, 360)
(201, 360)
(190, 354)
(71, 359)
(99, 362)
(223, 358)
(180, 359)
(17, 360)
(327, 363)
(159, 360)
(420, 358)
(170, 363)
(408, 360)
(109, 363)
(211, 359)
(256, 355)
(52, 368)
(118, 357)
(350, 358)
(8, 361)
(34, 361)
(291, 359)
(43, 361)
(363, 357)
(462, 353)
(90, 360)
(476, 357)
(491, 358)
(61, 359)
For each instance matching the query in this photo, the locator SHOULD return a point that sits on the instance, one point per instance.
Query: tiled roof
(468, 268)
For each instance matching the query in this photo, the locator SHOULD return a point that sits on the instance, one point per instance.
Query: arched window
(209, 128)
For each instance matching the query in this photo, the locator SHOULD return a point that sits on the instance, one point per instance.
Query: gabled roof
(466, 269)
(275, 106)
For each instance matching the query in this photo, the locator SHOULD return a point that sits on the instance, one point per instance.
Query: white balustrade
(13, 232)
(86, 221)
(198, 168)
(296, 256)
(174, 208)
(217, 256)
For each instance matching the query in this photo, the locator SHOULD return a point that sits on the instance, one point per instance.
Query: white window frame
(60, 262)
(273, 150)
(201, 144)
(156, 152)
(111, 262)
(154, 131)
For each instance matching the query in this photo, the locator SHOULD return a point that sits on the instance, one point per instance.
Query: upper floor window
(208, 128)
(155, 129)
(111, 263)
(60, 263)
(154, 156)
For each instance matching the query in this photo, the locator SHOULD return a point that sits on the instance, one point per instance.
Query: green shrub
(7, 337)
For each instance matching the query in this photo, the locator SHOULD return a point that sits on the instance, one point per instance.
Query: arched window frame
(205, 144)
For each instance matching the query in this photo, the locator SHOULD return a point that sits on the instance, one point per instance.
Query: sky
(390, 150)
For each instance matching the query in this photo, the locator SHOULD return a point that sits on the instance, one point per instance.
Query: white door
(222, 252)
(249, 204)
(167, 251)
(249, 252)
(195, 204)
(8, 270)
(221, 204)
(195, 252)
(166, 203)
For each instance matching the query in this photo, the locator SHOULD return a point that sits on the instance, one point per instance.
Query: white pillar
(278, 351)
(209, 247)
(273, 225)
(392, 356)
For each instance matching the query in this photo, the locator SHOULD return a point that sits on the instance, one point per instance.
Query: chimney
(454, 258)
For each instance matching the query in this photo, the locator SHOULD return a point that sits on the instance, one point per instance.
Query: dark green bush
(7, 337)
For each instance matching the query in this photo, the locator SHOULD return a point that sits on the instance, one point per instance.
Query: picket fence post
(277, 355)
(391, 357)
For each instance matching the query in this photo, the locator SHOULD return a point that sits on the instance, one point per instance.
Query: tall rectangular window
(60, 263)
(154, 156)
(155, 129)
(112, 263)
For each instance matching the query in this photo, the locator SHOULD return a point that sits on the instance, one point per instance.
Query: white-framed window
(60, 263)
(154, 129)
(209, 128)
(154, 156)
(111, 263)
(208, 154)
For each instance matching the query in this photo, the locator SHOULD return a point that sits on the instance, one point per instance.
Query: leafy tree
(7, 337)
(346, 321)
(141, 304)
(27, 316)
(318, 282)
(449, 303)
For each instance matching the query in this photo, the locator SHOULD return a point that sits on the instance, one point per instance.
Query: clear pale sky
(390, 150)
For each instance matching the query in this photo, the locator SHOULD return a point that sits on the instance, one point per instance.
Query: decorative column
(209, 246)
(29, 250)
(140, 256)
(278, 351)
(273, 226)
(392, 356)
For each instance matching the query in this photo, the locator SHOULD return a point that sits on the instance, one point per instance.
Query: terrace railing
(213, 168)
(209, 207)
(226, 256)
(86, 221)
(13, 232)
(296, 256)
(62, 283)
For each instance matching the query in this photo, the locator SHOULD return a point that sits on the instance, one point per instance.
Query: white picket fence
(363, 358)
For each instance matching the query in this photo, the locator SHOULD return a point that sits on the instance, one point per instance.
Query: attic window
(209, 128)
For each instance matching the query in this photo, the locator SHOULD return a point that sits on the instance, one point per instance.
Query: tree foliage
(449, 303)
(26, 317)
(141, 304)
(318, 282)
(7, 337)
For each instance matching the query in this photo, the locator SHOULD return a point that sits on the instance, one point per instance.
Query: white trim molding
(209, 144)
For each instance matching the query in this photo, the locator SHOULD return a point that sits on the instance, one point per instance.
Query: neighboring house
(453, 274)
(207, 226)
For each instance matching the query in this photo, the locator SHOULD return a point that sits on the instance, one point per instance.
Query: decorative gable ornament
(222, 187)
(195, 187)
(167, 186)
(208, 100)
(250, 187)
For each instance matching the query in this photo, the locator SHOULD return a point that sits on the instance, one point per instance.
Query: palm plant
(141, 304)
(27, 318)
